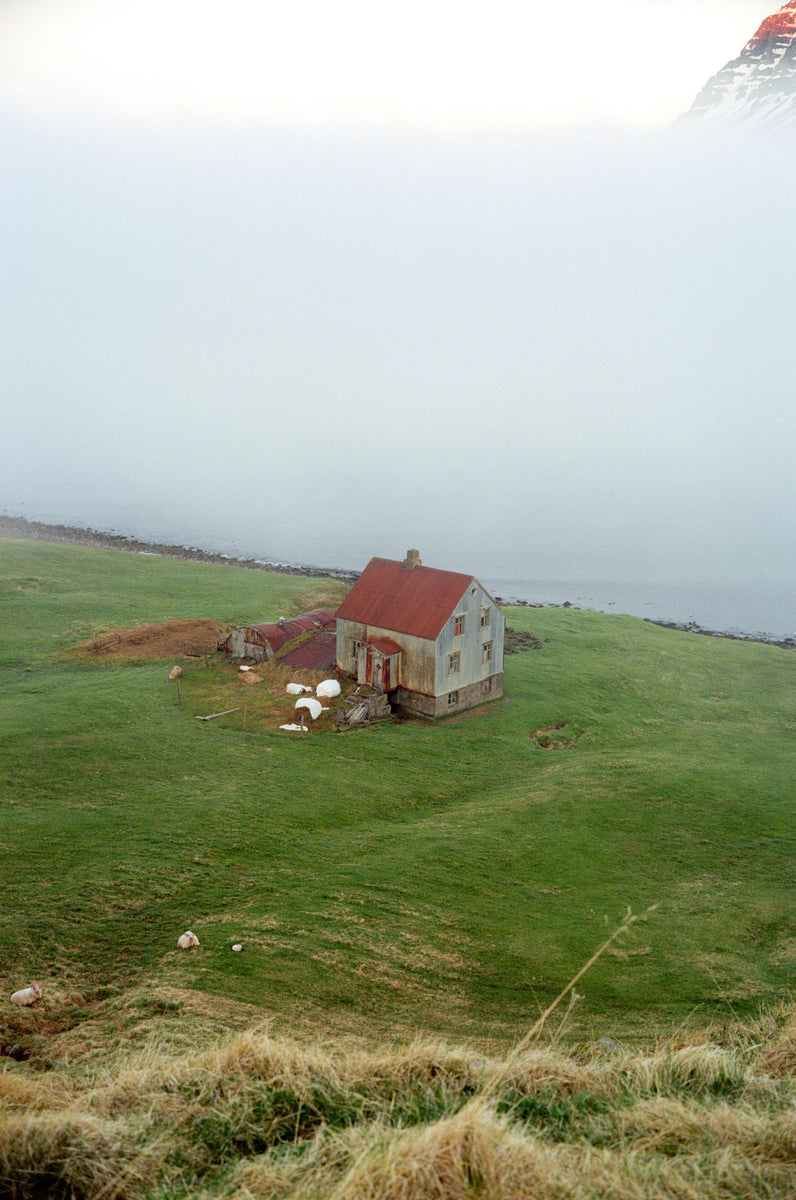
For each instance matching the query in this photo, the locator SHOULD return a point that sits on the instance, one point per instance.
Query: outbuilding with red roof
(261, 642)
(431, 639)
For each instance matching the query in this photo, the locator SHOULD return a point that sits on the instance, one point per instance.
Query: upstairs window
(486, 652)
(458, 625)
(486, 617)
(454, 663)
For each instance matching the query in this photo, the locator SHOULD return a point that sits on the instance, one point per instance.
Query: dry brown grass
(780, 1057)
(72, 1154)
(256, 1116)
(476, 1154)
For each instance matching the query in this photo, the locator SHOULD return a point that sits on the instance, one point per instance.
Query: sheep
(27, 996)
(187, 940)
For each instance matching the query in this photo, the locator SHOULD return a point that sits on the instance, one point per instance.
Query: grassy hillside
(447, 878)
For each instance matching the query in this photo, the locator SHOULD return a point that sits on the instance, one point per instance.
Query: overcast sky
(444, 64)
(438, 276)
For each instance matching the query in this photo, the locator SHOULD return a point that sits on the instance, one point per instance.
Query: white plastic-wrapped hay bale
(297, 689)
(293, 728)
(329, 688)
(314, 707)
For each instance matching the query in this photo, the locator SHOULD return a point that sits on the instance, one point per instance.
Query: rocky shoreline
(787, 643)
(72, 535)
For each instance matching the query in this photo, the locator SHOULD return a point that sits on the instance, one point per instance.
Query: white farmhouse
(432, 640)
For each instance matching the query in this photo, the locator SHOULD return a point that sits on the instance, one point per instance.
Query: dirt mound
(517, 640)
(168, 639)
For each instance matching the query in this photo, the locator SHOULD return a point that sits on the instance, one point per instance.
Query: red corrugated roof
(318, 654)
(417, 602)
(387, 647)
(277, 633)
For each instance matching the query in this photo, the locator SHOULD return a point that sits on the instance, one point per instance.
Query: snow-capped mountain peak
(759, 86)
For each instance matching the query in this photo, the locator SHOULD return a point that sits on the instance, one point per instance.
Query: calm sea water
(751, 609)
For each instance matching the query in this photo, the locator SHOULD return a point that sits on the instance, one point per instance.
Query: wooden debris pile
(364, 705)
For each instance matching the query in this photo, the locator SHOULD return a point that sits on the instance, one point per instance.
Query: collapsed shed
(261, 642)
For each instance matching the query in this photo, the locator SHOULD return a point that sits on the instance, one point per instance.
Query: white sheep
(187, 940)
(27, 996)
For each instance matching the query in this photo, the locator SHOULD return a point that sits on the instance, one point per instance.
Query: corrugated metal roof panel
(318, 654)
(277, 633)
(417, 601)
(325, 616)
(387, 647)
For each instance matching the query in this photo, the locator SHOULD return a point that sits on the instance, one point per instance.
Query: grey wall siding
(418, 663)
(469, 645)
(247, 643)
(347, 632)
(237, 643)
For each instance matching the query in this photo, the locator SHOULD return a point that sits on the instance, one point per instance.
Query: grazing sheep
(187, 940)
(27, 996)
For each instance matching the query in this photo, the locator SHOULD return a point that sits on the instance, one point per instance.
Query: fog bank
(574, 354)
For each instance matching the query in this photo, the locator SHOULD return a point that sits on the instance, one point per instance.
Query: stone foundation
(452, 702)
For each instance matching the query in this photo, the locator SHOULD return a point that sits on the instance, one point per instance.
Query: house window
(486, 616)
(486, 652)
(453, 697)
(486, 686)
(356, 646)
(458, 625)
(454, 663)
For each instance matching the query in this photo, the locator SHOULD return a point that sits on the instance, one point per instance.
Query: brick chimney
(412, 560)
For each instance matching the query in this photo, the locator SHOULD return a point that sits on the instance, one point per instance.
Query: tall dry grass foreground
(263, 1117)
(708, 1116)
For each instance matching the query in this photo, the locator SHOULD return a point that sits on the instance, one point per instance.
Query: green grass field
(404, 877)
